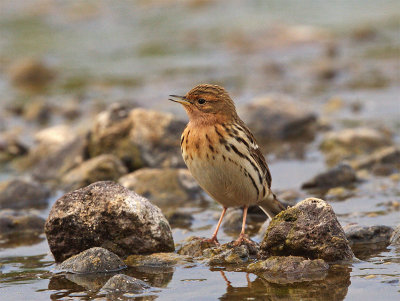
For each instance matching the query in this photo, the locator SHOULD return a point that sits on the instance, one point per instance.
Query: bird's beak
(179, 99)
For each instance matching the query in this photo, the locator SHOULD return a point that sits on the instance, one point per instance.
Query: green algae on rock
(311, 230)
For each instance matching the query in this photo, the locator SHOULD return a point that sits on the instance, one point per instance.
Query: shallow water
(141, 51)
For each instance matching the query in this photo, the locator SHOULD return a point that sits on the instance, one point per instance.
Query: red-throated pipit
(223, 156)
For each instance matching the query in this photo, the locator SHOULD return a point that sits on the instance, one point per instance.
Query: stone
(167, 188)
(105, 214)
(11, 147)
(395, 238)
(388, 157)
(22, 194)
(139, 137)
(30, 73)
(21, 224)
(93, 260)
(100, 168)
(158, 261)
(289, 269)
(309, 229)
(194, 247)
(365, 240)
(340, 175)
(277, 118)
(121, 284)
(349, 143)
(178, 219)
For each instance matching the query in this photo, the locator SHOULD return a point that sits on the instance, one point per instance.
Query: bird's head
(207, 103)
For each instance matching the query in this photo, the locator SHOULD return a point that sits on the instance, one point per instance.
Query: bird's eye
(201, 101)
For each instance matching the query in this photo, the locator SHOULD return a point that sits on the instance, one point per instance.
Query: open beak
(179, 99)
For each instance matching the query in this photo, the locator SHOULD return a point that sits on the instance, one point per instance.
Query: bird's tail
(271, 206)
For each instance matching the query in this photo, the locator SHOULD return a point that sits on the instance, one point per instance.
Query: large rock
(311, 230)
(101, 168)
(21, 194)
(349, 143)
(165, 187)
(289, 269)
(138, 137)
(105, 214)
(278, 118)
(93, 260)
(120, 284)
(340, 175)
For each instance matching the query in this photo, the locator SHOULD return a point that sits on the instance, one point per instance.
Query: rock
(395, 238)
(290, 269)
(388, 157)
(30, 73)
(101, 168)
(311, 230)
(93, 260)
(276, 118)
(348, 143)
(166, 187)
(225, 254)
(156, 261)
(22, 194)
(138, 137)
(55, 137)
(11, 147)
(19, 225)
(105, 214)
(340, 175)
(179, 219)
(367, 240)
(121, 284)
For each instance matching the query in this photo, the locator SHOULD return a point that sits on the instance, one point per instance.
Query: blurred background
(318, 82)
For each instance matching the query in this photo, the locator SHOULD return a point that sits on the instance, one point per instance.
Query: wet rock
(290, 269)
(11, 147)
(93, 260)
(21, 194)
(385, 158)
(348, 143)
(120, 284)
(278, 118)
(30, 73)
(340, 175)
(105, 214)
(225, 254)
(395, 238)
(166, 187)
(179, 219)
(156, 261)
(310, 229)
(194, 247)
(101, 168)
(20, 224)
(138, 137)
(366, 240)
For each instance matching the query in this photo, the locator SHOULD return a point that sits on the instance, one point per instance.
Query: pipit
(223, 155)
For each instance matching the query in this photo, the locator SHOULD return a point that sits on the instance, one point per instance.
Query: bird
(223, 156)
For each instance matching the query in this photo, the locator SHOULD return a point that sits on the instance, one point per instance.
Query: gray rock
(101, 168)
(93, 260)
(310, 229)
(340, 175)
(395, 238)
(105, 214)
(278, 118)
(165, 187)
(194, 247)
(18, 226)
(125, 284)
(388, 157)
(349, 143)
(22, 194)
(290, 269)
(179, 219)
(138, 137)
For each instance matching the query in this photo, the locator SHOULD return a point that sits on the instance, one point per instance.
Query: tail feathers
(271, 206)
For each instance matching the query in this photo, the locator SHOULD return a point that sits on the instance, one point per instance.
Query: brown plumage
(223, 155)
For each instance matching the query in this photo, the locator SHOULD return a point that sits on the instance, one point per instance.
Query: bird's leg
(213, 238)
(242, 236)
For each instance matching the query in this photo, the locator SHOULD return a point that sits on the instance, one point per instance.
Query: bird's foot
(243, 238)
(212, 240)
